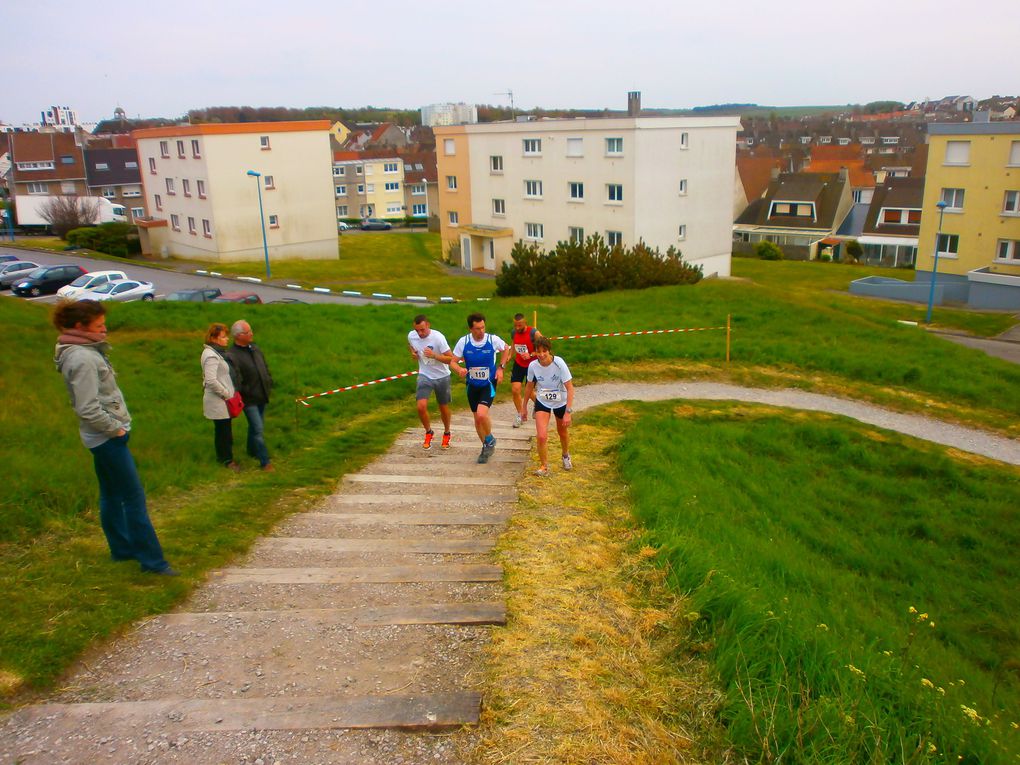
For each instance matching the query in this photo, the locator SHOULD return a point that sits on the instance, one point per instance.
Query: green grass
(803, 543)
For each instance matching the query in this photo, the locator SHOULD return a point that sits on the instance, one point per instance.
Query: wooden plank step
(431, 712)
(478, 572)
(442, 463)
(421, 546)
(462, 480)
(376, 616)
(424, 499)
(448, 518)
(474, 444)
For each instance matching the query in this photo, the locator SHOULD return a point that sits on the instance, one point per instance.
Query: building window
(38, 188)
(614, 238)
(175, 222)
(685, 140)
(164, 149)
(67, 187)
(152, 165)
(191, 226)
(137, 212)
(1011, 203)
(681, 231)
(533, 189)
(274, 221)
(614, 192)
(341, 190)
(391, 167)
(200, 186)
(614, 147)
(419, 211)
(575, 234)
(269, 182)
(953, 199)
(418, 189)
(957, 152)
(496, 163)
(451, 182)
(108, 191)
(159, 202)
(196, 151)
(532, 147)
(1014, 153)
(206, 228)
(341, 171)
(36, 166)
(1007, 249)
(449, 147)
(186, 187)
(180, 154)
(370, 188)
(341, 211)
(534, 231)
(575, 147)
(683, 186)
(395, 209)
(129, 165)
(392, 186)
(453, 217)
(499, 207)
(67, 159)
(899, 217)
(576, 189)
(369, 169)
(131, 191)
(359, 170)
(264, 142)
(170, 186)
(361, 188)
(890, 140)
(948, 244)
(867, 140)
(99, 165)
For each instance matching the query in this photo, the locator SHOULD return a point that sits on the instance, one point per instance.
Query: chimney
(634, 103)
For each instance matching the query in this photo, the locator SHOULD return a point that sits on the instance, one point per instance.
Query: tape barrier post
(304, 399)
(727, 338)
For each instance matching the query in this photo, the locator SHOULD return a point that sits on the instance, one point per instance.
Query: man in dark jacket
(254, 382)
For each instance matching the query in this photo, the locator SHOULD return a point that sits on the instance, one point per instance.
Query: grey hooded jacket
(92, 386)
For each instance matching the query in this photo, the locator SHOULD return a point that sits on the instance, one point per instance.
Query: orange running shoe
(446, 440)
(428, 440)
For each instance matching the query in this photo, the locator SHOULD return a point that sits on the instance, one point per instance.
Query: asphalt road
(170, 281)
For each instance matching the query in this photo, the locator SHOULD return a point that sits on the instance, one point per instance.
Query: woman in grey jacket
(104, 424)
(217, 388)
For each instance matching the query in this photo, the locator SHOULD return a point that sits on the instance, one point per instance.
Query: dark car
(46, 280)
(286, 300)
(203, 295)
(15, 270)
(237, 297)
(7, 258)
(375, 224)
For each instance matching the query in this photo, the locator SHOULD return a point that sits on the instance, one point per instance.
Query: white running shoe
(517, 420)
(567, 464)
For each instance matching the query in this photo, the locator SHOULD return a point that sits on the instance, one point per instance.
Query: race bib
(478, 373)
(551, 396)
(521, 349)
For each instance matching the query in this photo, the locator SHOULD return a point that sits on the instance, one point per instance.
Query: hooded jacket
(92, 387)
(251, 373)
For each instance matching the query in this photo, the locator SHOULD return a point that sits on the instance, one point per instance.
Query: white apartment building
(448, 114)
(662, 180)
(204, 204)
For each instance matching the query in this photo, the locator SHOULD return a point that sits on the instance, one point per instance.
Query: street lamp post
(262, 215)
(935, 268)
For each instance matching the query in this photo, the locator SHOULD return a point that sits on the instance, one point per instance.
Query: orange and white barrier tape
(304, 399)
(638, 332)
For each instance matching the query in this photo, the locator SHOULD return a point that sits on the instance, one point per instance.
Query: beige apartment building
(204, 205)
(662, 180)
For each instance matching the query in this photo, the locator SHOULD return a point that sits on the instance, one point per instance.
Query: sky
(158, 59)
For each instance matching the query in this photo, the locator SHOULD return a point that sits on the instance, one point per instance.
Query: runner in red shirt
(523, 342)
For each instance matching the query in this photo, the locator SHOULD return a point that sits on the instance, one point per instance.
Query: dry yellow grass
(592, 666)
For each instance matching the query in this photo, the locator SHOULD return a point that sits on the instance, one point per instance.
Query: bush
(119, 239)
(580, 268)
(768, 251)
(853, 251)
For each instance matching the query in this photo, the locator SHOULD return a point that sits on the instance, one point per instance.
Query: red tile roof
(860, 176)
(755, 173)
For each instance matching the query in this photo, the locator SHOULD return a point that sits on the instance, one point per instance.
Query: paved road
(167, 281)
(1002, 349)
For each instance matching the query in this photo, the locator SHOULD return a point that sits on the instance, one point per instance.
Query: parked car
(237, 297)
(7, 258)
(341, 226)
(202, 295)
(46, 280)
(285, 300)
(13, 270)
(121, 290)
(88, 281)
(375, 224)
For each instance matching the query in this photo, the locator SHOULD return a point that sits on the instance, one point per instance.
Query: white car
(85, 282)
(121, 290)
(341, 226)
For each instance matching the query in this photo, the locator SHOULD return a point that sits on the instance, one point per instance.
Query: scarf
(80, 337)
(221, 351)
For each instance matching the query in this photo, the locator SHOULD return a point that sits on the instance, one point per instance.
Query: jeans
(122, 511)
(256, 436)
(224, 440)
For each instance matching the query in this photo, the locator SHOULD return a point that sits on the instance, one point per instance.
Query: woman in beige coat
(218, 387)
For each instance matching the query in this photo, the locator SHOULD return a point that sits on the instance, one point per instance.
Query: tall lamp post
(935, 268)
(262, 215)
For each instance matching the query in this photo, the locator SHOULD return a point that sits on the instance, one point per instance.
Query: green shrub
(768, 251)
(120, 239)
(853, 251)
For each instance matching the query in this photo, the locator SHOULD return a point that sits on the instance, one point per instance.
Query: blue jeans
(256, 433)
(122, 511)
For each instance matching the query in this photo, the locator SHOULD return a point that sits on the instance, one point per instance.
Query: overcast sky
(161, 59)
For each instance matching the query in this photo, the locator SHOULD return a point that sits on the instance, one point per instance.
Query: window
(137, 212)
(341, 171)
(614, 238)
(152, 165)
(359, 170)
(684, 140)
(391, 167)
(129, 165)
(419, 210)
(196, 152)
(957, 152)
(532, 146)
(449, 147)
(99, 165)
(170, 186)
(392, 186)
(200, 186)
(159, 202)
(454, 217)
(67, 187)
(274, 221)
(38, 188)
(269, 182)
(186, 187)
(496, 163)
(614, 192)
(899, 217)
(191, 226)
(108, 191)
(394, 209)
(614, 147)
(206, 228)
(341, 211)
(35, 166)
(131, 191)
(575, 234)
(264, 142)
(451, 182)
(890, 140)
(533, 189)
(361, 188)
(67, 159)
(341, 190)
(683, 186)
(953, 199)
(180, 153)
(1011, 203)
(576, 190)
(948, 244)
(1008, 249)
(825, 139)
(534, 231)
(681, 231)
(418, 189)
(499, 207)
(1014, 153)
(575, 147)
(867, 140)
(175, 222)
(370, 188)
(369, 169)
(164, 148)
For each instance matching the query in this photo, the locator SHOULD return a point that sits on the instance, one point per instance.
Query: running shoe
(542, 472)
(428, 440)
(483, 457)
(446, 440)
(489, 447)
(567, 464)
(517, 420)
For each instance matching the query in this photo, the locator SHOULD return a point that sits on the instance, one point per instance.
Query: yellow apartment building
(204, 205)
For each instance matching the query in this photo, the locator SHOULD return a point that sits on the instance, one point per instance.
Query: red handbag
(235, 404)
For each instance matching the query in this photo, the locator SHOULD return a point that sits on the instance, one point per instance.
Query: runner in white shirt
(430, 348)
(550, 379)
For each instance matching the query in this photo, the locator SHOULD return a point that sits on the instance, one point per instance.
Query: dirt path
(353, 627)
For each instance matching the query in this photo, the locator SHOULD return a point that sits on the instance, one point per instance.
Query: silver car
(14, 270)
(121, 290)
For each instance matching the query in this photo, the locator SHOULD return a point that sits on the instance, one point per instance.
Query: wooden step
(374, 616)
(424, 518)
(445, 572)
(453, 480)
(422, 546)
(429, 500)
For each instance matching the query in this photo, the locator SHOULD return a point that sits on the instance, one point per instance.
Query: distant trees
(66, 213)
(224, 114)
